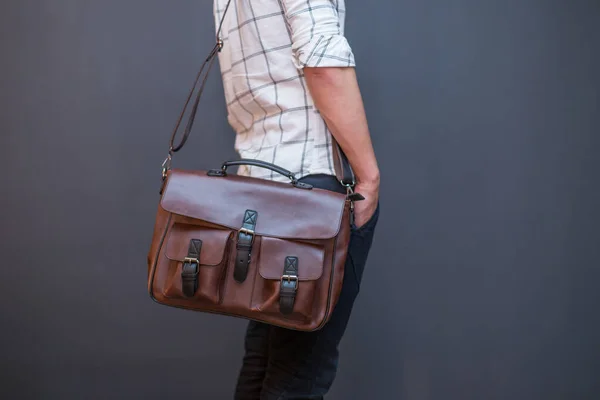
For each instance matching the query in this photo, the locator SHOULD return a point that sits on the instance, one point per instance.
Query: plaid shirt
(266, 45)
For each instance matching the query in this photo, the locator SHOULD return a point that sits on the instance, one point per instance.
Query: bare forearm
(337, 97)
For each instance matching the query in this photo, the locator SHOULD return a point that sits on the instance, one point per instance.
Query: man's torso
(268, 102)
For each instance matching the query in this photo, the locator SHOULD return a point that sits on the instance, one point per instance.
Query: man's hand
(364, 209)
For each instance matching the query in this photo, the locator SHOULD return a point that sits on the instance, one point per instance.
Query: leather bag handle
(261, 164)
(342, 167)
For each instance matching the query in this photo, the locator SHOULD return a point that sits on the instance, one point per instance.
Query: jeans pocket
(360, 245)
(369, 225)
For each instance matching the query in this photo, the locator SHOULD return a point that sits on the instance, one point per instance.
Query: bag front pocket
(198, 258)
(288, 279)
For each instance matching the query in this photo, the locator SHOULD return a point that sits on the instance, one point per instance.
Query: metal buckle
(290, 278)
(195, 263)
(248, 232)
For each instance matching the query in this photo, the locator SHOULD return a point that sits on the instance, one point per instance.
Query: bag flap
(273, 253)
(214, 243)
(283, 210)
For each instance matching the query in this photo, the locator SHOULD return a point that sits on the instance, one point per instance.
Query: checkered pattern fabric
(267, 43)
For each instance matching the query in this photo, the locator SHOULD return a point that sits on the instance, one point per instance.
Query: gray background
(484, 274)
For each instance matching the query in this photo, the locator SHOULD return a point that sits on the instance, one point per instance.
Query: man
(290, 84)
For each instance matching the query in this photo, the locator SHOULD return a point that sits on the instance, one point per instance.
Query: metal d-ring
(166, 165)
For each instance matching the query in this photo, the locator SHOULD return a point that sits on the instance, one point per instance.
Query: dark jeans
(284, 364)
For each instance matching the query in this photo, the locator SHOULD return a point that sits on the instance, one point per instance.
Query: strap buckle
(191, 260)
(190, 269)
(248, 232)
(289, 282)
(290, 278)
(245, 242)
(288, 289)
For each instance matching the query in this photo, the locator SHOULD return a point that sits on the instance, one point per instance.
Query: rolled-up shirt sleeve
(317, 35)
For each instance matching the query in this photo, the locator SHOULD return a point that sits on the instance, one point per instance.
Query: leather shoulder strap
(342, 167)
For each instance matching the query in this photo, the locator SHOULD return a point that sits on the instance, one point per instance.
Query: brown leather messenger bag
(248, 247)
